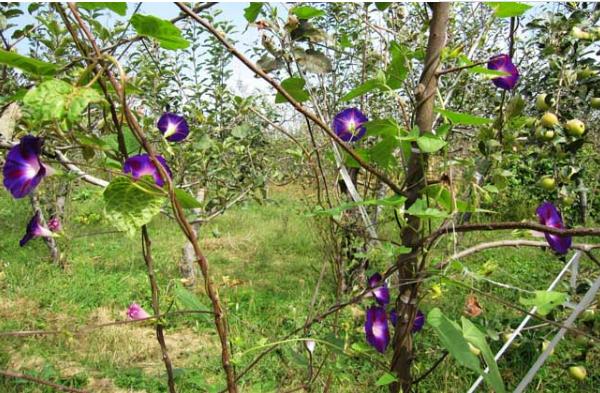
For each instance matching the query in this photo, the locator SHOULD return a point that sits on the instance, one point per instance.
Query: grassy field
(266, 259)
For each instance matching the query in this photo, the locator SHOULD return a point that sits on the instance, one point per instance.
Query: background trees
(444, 146)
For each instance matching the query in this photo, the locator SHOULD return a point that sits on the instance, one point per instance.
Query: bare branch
(298, 106)
(60, 388)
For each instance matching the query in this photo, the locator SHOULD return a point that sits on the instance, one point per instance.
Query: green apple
(588, 315)
(578, 372)
(547, 183)
(585, 73)
(582, 35)
(545, 344)
(549, 120)
(548, 135)
(575, 127)
(581, 340)
(568, 200)
(543, 102)
(474, 350)
(595, 102)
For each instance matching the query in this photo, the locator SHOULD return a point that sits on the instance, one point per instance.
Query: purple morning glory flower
(348, 124)
(141, 165)
(24, 170)
(394, 317)
(376, 328)
(54, 224)
(136, 312)
(381, 293)
(173, 127)
(549, 216)
(504, 63)
(417, 325)
(419, 322)
(35, 229)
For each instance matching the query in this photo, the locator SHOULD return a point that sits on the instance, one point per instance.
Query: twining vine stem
(160, 334)
(211, 290)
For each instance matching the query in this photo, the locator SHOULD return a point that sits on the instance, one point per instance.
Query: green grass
(265, 259)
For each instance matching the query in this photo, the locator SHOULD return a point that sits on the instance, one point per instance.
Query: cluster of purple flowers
(24, 170)
(376, 323)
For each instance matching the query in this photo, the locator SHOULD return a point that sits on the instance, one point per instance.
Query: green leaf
(452, 339)
(382, 127)
(429, 143)
(397, 70)
(360, 90)
(252, 11)
(420, 209)
(165, 32)
(268, 63)
(306, 12)
(56, 99)
(79, 100)
(27, 64)
(382, 153)
(187, 300)
(545, 301)
(130, 204)
(386, 378)
(116, 7)
(241, 131)
(382, 6)
(508, 9)
(473, 335)
(315, 61)
(294, 86)
(187, 201)
(463, 118)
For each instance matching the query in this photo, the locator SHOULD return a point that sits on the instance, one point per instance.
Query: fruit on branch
(582, 340)
(575, 127)
(543, 102)
(544, 134)
(580, 34)
(549, 120)
(545, 344)
(595, 102)
(588, 315)
(547, 183)
(567, 200)
(585, 73)
(578, 372)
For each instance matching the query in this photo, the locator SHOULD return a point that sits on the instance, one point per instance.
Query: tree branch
(500, 226)
(298, 106)
(60, 388)
(186, 228)
(508, 243)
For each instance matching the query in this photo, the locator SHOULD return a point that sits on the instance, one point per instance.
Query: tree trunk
(415, 182)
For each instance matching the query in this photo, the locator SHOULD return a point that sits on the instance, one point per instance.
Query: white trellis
(573, 266)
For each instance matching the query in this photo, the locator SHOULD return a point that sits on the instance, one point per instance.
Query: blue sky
(234, 12)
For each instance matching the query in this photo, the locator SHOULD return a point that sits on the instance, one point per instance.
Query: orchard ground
(266, 258)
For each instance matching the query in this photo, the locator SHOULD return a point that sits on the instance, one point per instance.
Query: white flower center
(378, 330)
(31, 171)
(171, 129)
